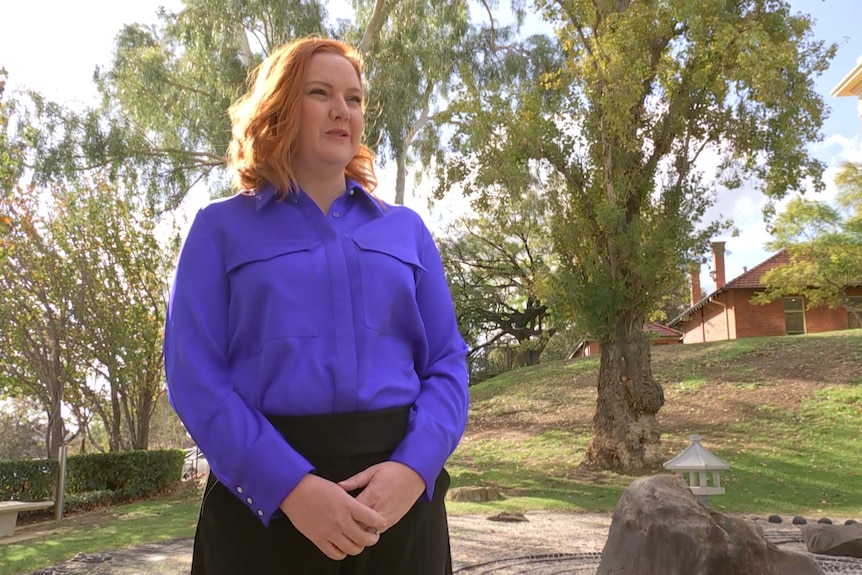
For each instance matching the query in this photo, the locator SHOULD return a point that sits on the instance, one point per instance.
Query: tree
(413, 64)
(22, 431)
(86, 280)
(162, 125)
(123, 271)
(39, 352)
(497, 263)
(645, 88)
(825, 246)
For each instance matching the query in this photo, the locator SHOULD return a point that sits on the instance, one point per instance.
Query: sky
(53, 46)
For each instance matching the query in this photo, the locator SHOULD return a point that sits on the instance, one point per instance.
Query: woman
(311, 348)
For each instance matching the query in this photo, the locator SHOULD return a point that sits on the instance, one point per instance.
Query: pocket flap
(400, 251)
(255, 252)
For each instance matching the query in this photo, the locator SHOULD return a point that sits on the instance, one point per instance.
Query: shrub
(27, 480)
(128, 474)
(88, 500)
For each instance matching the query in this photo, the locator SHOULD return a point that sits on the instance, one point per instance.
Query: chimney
(694, 282)
(718, 263)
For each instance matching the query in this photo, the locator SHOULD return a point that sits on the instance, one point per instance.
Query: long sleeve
(243, 449)
(440, 410)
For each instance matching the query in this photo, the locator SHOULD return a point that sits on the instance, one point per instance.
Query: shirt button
(351, 192)
(260, 512)
(336, 215)
(249, 500)
(239, 489)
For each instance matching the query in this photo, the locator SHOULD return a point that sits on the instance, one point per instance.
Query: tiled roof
(651, 329)
(752, 278)
(659, 330)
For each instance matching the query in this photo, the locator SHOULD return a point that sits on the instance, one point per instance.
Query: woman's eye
(318, 91)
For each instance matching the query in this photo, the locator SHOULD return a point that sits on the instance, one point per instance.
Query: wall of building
(757, 320)
(709, 323)
(751, 320)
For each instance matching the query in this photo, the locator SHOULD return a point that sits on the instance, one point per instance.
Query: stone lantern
(700, 464)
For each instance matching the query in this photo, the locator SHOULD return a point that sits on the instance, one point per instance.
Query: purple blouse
(279, 309)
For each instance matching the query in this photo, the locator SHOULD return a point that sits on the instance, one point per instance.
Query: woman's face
(331, 120)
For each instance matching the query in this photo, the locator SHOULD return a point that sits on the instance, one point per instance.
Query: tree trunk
(527, 356)
(56, 430)
(115, 440)
(143, 413)
(626, 436)
(400, 177)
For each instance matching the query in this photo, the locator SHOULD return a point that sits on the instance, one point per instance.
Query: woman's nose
(339, 110)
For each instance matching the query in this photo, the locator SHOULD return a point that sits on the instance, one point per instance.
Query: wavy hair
(265, 121)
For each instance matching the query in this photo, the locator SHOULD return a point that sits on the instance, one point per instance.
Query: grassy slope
(785, 412)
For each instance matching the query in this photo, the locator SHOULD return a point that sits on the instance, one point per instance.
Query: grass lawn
(785, 412)
(169, 517)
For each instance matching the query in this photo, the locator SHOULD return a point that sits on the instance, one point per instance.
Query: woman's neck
(323, 190)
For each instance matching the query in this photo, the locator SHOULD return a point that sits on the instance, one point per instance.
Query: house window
(794, 315)
(854, 302)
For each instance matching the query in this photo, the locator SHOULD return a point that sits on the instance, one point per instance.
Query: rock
(473, 494)
(774, 519)
(824, 521)
(799, 520)
(659, 528)
(838, 540)
(508, 517)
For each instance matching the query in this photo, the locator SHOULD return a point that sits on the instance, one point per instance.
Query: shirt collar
(265, 194)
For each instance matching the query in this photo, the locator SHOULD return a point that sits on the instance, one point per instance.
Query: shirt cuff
(264, 482)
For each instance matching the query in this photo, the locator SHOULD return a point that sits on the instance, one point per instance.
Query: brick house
(727, 313)
(656, 333)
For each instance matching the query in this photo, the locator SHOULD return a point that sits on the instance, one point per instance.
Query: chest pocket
(274, 287)
(390, 271)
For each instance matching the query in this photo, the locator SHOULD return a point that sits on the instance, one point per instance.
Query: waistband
(344, 434)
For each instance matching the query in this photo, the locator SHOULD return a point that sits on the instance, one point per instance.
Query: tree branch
(375, 23)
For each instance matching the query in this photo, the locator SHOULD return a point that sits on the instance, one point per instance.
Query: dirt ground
(478, 545)
(780, 377)
(766, 377)
(475, 540)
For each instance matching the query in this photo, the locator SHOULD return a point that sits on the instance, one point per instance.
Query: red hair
(265, 121)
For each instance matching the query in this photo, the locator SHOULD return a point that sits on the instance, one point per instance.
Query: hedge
(125, 475)
(27, 480)
(128, 474)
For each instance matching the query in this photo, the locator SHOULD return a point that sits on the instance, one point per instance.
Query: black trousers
(231, 540)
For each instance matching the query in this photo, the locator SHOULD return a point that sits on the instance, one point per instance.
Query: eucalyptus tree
(414, 61)
(167, 91)
(644, 90)
(498, 263)
(162, 125)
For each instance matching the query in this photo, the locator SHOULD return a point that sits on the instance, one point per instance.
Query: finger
(367, 518)
(332, 551)
(348, 545)
(357, 481)
(362, 535)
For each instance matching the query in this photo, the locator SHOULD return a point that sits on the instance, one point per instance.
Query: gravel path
(547, 543)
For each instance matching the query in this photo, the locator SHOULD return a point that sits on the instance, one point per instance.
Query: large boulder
(659, 528)
(840, 540)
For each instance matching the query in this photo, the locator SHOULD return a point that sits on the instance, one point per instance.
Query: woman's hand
(390, 488)
(329, 517)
